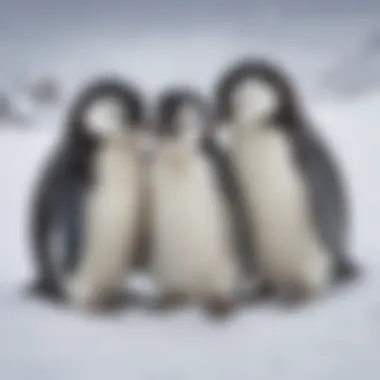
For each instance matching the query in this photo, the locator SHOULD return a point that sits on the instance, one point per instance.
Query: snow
(337, 338)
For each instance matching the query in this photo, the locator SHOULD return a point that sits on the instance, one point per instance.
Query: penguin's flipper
(330, 206)
(54, 206)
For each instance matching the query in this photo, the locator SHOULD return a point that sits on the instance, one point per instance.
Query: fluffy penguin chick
(291, 256)
(110, 119)
(192, 250)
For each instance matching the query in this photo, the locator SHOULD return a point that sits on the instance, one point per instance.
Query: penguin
(293, 192)
(192, 249)
(91, 192)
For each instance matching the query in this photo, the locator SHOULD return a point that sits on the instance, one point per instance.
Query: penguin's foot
(296, 295)
(111, 302)
(170, 301)
(220, 307)
(47, 289)
(264, 291)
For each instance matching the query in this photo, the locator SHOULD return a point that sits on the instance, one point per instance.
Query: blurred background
(331, 48)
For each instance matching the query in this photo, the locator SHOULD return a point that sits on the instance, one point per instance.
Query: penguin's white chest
(192, 247)
(111, 213)
(114, 198)
(277, 198)
(272, 182)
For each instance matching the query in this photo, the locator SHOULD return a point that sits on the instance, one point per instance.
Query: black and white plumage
(91, 192)
(192, 246)
(292, 188)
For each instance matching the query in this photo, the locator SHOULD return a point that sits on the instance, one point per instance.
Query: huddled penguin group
(240, 199)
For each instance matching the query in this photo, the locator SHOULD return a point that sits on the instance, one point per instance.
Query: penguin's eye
(105, 116)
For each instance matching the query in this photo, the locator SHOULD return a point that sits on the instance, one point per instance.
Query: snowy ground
(337, 339)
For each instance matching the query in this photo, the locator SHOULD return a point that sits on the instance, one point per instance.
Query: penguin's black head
(182, 115)
(106, 109)
(256, 92)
